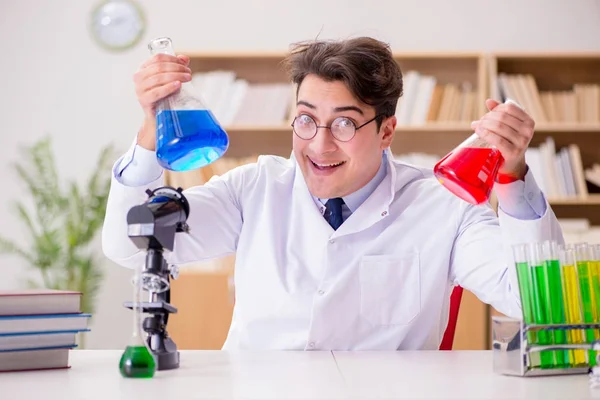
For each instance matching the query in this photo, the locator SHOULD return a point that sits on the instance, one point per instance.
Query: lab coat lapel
(377, 206)
(307, 208)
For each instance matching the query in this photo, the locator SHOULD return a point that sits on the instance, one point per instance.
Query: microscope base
(166, 361)
(165, 351)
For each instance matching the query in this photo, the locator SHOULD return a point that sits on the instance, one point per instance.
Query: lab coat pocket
(390, 289)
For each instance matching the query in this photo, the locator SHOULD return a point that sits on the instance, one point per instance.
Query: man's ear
(387, 130)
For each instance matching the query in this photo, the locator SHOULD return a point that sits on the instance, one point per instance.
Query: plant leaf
(61, 225)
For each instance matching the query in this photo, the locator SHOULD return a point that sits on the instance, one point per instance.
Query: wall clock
(117, 24)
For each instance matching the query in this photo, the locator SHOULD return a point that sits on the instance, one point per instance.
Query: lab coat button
(321, 293)
(383, 214)
(331, 240)
(311, 345)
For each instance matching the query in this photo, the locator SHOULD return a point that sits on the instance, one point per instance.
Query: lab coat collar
(377, 206)
(355, 199)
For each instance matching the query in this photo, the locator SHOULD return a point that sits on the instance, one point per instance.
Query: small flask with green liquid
(137, 361)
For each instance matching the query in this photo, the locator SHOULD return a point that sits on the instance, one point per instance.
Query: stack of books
(38, 328)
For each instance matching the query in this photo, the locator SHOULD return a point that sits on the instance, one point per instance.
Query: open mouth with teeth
(326, 166)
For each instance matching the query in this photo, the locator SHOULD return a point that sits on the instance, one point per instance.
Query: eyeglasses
(342, 128)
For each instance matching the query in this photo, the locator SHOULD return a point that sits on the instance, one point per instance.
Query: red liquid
(469, 172)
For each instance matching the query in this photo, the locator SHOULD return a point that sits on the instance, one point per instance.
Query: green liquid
(137, 362)
(526, 292)
(595, 276)
(557, 310)
(525, 288)
(585, 288)
(541, 312)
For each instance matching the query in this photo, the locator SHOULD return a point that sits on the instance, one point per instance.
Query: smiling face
(332, 168)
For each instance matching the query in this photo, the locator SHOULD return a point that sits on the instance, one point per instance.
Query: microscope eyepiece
(154, 223)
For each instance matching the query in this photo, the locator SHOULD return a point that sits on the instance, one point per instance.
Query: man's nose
(323, 142)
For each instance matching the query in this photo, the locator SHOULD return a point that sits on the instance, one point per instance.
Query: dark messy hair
(364, 64)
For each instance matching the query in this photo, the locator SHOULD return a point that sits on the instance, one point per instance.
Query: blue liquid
(188, 139)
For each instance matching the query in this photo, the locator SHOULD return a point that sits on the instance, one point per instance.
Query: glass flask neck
(475, 141)
(137, 337)
(162, 45)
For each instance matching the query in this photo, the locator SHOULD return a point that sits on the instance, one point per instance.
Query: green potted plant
(62, 223)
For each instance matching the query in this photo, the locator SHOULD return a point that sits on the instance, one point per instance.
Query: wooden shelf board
(233, 55)
(441, 127)
(279, 54)
(546, 55)
(590, 200)
(258, 128)
(445, 127)
(568, 127)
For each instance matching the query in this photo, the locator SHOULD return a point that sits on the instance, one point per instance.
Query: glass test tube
(521, 258)
(572, 303)
(541, 301)
(595, 277)
(523, 274)
(555, 296)
(588, 308)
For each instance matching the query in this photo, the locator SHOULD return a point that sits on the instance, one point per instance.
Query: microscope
(152, 227)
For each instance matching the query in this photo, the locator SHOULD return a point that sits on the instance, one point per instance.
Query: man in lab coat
(340, 246)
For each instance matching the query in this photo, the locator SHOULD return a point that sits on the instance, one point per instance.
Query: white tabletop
(294, 375)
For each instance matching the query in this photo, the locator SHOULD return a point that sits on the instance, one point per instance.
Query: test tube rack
(513, 354)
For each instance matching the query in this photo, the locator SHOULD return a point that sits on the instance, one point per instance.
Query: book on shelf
(235, 101)
(579, 230)
(425, 101)
(580, 104)
(559, 173)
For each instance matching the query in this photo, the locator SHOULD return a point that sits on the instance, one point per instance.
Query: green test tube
(595, 276)
(572, 302)
(520, 254)
(588, 308)
(555, 297)
(521, 259)
(541, 301)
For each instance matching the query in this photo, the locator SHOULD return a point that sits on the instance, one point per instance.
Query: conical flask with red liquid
(470, 170)
(188, 135)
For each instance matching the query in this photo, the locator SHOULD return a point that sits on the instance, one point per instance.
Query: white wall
(55, 80)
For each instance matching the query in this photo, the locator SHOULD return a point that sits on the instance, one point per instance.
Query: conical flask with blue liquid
(188, 135)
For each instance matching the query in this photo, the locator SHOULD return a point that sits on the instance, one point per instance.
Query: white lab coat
(382, 281)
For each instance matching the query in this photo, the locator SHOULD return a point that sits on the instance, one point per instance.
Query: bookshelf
(462, 81)
(252, 133)
(562, 93)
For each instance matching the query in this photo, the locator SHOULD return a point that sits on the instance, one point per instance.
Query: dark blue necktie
(333, 212)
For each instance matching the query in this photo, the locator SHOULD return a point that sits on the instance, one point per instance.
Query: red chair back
(448, 338)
